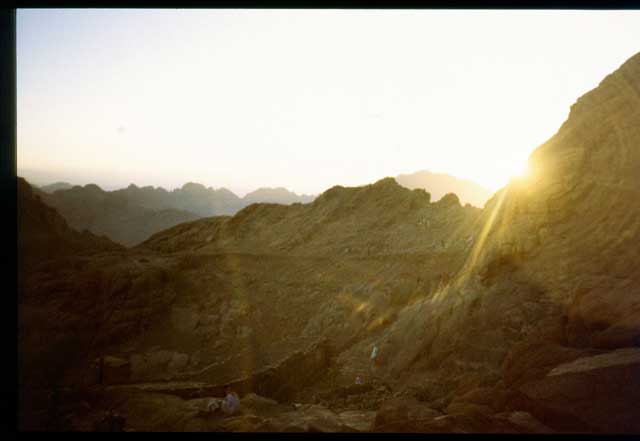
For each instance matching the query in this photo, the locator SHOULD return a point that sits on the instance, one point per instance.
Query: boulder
(529, 361)
(597, 393)
(603, 319)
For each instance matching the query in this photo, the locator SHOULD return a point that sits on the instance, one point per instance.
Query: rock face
(560, 245)
(377, 219)
(520, 317)
(43, 234)
(601, 391)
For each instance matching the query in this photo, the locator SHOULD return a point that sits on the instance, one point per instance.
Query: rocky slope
(377, 219)
(187, 309)
(439, 184)
(553, 276)
(521, 317)
(43, 234)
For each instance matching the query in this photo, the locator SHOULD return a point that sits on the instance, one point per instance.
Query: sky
(305, 99)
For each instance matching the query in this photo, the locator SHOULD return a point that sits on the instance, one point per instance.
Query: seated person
(231, 402)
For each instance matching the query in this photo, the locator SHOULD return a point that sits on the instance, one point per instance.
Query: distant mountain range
(439, 184)
(55, 187)
(130, 215)
(278, 195)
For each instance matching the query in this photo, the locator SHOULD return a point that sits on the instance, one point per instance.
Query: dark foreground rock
(597, 393)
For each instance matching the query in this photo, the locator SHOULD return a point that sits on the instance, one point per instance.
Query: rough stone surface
(602, 391)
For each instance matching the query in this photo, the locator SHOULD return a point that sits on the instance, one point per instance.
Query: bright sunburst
(520, 171)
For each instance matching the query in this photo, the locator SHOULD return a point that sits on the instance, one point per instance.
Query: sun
(520, 170)
(499, 173)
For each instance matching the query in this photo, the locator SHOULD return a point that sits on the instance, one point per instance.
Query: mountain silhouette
(52, 188)
(439, 184)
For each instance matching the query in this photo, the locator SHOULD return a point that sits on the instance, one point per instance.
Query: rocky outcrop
(378, 219)
(43, 234)
(283, 380)
(599, 392)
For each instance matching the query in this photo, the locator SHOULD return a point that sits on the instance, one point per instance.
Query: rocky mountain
(551, 280)
(43, 234)
(279, 195)
(192, 197)
(521, 317)
(112, 214)
(130, 215)
(52, 188)
(439, 184)
(206, 201)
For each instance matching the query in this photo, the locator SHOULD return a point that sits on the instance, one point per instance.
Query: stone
(598, 393)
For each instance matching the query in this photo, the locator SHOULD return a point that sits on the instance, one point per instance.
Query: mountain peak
(388, 181)
(51, 188)
(93, 188)
(193, 186)
(449, 199)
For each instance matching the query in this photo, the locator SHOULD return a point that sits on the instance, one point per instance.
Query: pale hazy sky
(303, 99)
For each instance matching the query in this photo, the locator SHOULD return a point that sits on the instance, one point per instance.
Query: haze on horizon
(301, 99)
